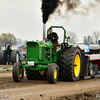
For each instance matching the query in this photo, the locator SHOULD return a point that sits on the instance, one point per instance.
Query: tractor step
(96, 76)
(87, 77)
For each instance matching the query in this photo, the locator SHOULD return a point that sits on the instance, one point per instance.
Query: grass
(6, 67)
(9, 67)
(4, 70)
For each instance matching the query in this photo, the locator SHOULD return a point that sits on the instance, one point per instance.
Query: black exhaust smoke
(48, 7)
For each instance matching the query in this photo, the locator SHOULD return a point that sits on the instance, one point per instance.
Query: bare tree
(73, 37)
(24, 42)
(85, 40)
(96, 36)
(88, 39)
(19, 41)
(7, 37)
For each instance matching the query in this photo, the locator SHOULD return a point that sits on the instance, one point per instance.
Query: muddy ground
(42, 90)
(93, 94)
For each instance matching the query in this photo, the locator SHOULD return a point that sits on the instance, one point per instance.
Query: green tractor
(9, 55)
(43, 63)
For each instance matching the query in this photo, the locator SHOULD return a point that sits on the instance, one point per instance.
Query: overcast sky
(23, 18)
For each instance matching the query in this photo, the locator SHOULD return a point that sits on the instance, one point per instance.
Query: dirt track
(42, 90)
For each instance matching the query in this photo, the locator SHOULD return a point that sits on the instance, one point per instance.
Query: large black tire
(3, 59)
(53, 73)
(15, 57)
(18, 72)
(35, 75)
(70, 66)
(96, 69)
(90, 69)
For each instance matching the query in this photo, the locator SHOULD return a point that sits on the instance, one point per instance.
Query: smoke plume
(48, 7)
(72, 6)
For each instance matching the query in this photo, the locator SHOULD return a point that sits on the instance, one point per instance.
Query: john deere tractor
(8, 54)
(43, 63)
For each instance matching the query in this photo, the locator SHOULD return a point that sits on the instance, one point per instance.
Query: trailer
(90, 60)
(91, 65)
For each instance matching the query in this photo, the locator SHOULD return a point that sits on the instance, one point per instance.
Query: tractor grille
(32, 51)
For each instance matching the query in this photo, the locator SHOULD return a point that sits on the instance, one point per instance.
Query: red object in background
(67, 38)
(10, 47)
(24, 51)
(95, 61)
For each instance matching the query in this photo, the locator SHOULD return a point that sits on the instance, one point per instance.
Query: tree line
(8, 37)
(89, 39)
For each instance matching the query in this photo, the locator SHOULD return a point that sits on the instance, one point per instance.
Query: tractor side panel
(42, 53)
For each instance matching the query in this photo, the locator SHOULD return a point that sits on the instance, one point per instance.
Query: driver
(53, 37)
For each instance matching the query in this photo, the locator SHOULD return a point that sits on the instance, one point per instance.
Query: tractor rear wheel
(53, 73)
(70, 66)
(15, 56)
(35, 75)
(18, 72)
(3, 59)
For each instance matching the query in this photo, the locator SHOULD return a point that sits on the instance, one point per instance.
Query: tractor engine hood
(41, 44)
(37, 50)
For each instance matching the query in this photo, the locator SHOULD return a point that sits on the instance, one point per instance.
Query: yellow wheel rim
(41, 72)
(20, 75)
(77, 63)
(55, 74)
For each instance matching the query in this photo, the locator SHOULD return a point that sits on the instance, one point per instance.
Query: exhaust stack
(44, 31)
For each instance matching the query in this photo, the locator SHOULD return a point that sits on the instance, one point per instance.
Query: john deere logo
(42, 45)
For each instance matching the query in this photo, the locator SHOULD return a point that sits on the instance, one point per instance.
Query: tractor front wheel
(18, 72)
(53, 73)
